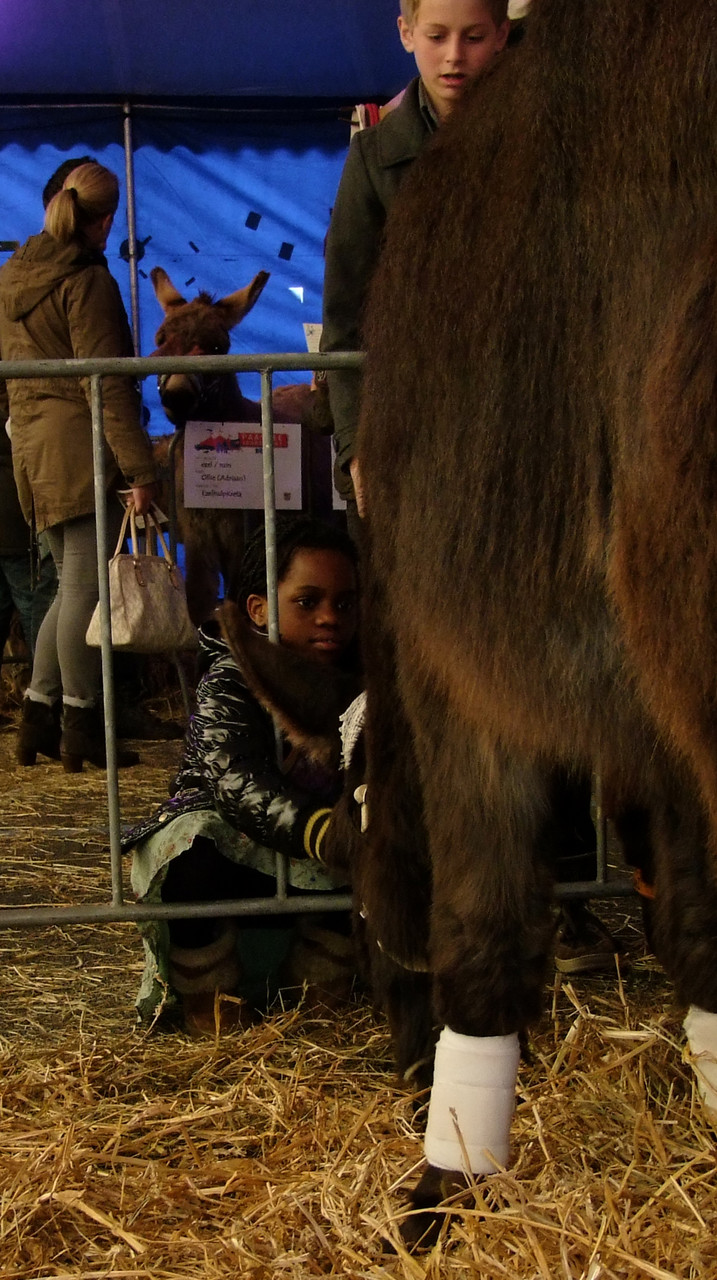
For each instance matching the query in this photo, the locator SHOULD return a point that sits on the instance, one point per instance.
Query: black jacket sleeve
(352, 249)
(231, 756)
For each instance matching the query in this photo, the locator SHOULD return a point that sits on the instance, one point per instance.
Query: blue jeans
(17, 592)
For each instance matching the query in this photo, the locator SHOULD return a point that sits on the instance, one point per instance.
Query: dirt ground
(285, 1150)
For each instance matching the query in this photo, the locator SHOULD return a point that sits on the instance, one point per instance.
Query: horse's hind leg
(405, 996)
(685, 924)
(490, 935)
(491, 919)
(491, 899)
(685, 903)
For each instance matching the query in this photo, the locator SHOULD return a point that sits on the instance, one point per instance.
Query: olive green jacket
(57, 302)
(377, 161)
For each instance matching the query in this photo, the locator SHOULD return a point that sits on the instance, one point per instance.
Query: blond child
(453, 42)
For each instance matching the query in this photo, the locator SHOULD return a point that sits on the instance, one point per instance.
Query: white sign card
(312, 335)
(223, 465)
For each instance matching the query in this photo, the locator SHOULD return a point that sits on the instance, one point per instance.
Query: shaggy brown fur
(306, 701)
(539, 447)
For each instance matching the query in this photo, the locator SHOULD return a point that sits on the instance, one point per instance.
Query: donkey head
(199, 327)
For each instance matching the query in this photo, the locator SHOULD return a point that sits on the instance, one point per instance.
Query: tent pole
(131, 226)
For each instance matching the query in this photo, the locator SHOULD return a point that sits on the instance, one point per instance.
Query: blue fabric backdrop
(217, 200)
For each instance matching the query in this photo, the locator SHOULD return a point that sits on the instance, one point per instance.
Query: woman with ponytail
(59, 301)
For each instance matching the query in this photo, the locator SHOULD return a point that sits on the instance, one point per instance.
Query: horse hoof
(420, 1232)
(71, 763)
(421, 1229)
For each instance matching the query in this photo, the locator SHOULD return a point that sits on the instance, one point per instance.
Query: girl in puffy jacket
(236, 802)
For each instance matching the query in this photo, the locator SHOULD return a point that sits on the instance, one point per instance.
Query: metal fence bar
(177, 439)
(117, 910)
(174, 444)
(108, 693)
(129, 913)
(143, 366)
(272, 583)
(131, 223)
(99, 913)
(267, 439)
(600, 829)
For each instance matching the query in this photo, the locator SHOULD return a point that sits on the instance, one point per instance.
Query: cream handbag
(148, 603)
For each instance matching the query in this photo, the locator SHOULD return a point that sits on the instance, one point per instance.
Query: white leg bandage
(472, 1102)
(701, 1030)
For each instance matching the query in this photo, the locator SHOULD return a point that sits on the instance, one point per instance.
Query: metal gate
(117, 908)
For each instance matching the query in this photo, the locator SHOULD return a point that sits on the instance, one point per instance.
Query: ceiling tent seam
(201, 49)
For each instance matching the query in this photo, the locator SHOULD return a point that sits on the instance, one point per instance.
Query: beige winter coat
(59, 301)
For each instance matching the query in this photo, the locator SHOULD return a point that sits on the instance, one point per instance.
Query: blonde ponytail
(90, 192)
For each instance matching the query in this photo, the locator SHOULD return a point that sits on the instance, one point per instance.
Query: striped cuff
(315, 831)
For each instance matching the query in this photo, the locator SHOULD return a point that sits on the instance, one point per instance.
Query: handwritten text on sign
(223, 465)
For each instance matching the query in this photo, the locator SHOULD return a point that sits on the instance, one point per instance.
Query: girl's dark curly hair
(293, 532)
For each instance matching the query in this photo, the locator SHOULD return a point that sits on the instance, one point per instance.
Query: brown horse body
(539, 448)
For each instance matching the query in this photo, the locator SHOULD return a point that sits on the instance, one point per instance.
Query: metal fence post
(108, 696)
(272, 585)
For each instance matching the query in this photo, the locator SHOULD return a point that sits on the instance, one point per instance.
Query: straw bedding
(284, 1150)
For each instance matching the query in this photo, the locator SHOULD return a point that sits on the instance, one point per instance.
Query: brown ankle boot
(322, 962)
(205, 978)
(39, 733)
(83, 738)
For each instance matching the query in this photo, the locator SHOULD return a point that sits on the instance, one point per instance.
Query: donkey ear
(167, 295)
(236, 305)
(305, 697)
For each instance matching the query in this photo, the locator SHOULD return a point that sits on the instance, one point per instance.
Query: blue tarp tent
(200, 48)
(235, 116)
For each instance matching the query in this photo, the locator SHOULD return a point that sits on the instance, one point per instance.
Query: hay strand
(285, 1150)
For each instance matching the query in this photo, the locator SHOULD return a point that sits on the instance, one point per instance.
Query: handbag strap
(151, 522)
(129, 518)
(151, 525)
